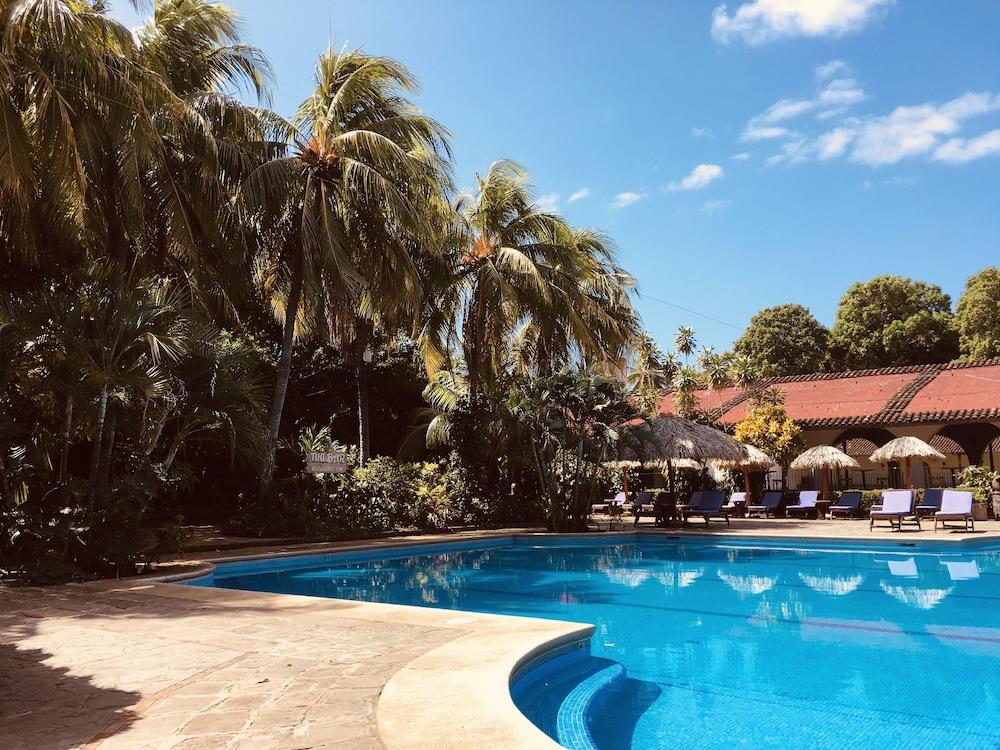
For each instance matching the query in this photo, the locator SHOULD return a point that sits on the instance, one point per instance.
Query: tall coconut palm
(685, 342)
(525, 290)
(343, 211)
(650, 374)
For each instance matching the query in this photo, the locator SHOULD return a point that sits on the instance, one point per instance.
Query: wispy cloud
(626, 199)
(961, 150)
(714, 206)
(761, 21)
(828, 70)
(928, 130)
(702, 133)
(549, 203)
(741, 156)
(579, 195)
(700, 176)
(832, 99)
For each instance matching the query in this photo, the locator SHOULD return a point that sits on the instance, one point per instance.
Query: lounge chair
(769, 504)
(956, 505)
(734, 500)
(806, 504)
(606, 505)
(693, 503)
(848, 505)
(896, 506)
(930, 503)
(709, 507)
(643, 501)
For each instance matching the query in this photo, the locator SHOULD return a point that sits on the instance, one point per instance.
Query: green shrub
(979, 481)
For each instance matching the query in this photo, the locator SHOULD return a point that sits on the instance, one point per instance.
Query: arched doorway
(978, 441)
(860, 443)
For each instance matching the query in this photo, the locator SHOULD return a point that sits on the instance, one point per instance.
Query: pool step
(572, 731)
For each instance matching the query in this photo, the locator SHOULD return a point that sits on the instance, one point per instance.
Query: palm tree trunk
(97, 439)
(107, 451)
(361, 370)
(283, 374)
(67, 435)
(5, 494)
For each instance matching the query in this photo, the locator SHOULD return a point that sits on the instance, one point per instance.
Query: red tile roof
(962, 391)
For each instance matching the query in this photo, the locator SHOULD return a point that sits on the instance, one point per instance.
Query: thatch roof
(824, 457)
(677, 463)
(756, 459)
(674, 437)
(622, 464)
(905, 447)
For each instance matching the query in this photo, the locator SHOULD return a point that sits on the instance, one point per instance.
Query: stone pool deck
(142, 664)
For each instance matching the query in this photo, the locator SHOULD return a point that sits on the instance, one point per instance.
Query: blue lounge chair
(692, 504)
(848, 505)
(956, 505)
(897, 506)
(806, 504)
(709, 507)
(769, 504)
(930, 503)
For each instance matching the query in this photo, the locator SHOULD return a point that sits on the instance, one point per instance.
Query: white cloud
(579, 195)
(759, 133)
(549, 203)
(912, 131)
(833, 144)
(626, 199)
(962, 150)
(700, 176)
(741, 156)
(714, 206)
(829, 70)
(762, 21)
(832, 99)
(702, 133)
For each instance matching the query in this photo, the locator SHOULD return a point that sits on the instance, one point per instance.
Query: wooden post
(746, 482)
(909, 476)
(826, 474)
(625, 482)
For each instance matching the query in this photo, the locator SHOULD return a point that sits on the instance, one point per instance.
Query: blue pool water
(703, 644)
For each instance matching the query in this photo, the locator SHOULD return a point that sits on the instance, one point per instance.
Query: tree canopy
(769, 428)
(978, 315)
(890, 321)
(784, 340)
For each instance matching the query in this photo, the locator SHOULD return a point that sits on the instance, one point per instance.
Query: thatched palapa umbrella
(824, 457)
(677, 438)
(756, 460)
(905, 448)
(624, 465)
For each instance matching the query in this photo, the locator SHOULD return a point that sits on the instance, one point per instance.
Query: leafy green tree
(783, 340)
(572, 420)
(978, 315)
(890, 321)
(767, 426)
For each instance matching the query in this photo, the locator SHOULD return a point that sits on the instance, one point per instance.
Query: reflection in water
(748, 585)
(832, 585)
(913, 596)
(782, 648)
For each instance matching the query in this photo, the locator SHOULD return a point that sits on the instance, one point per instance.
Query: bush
(979, 481)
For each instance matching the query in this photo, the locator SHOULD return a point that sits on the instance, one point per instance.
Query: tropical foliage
(767, 426)
(193, 289)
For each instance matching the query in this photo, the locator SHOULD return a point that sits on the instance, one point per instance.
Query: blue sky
(740, 156)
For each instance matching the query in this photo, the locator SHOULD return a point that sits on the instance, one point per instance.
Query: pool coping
(469, 677)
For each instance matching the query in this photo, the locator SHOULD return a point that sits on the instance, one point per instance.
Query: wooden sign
(326, 462)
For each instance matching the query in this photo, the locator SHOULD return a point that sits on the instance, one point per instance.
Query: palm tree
(743, 371)
(684, 342)
(343, 211)
(650, 374)
(524, 290)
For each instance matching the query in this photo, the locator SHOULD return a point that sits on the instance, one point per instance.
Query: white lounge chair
(806, 504)
(956, 505)
(736, 497)
(896, 506)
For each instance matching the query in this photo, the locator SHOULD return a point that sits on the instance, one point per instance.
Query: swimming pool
(701, 643)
